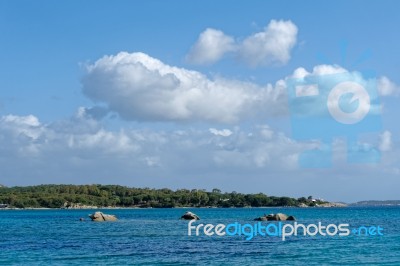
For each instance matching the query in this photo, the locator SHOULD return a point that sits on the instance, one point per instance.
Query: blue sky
(128, 92)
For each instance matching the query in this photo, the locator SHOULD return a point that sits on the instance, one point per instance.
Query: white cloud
(386, 141)
(63, 145)
(266, 131)
(386, 87)
(29, 120)
(22, 126)
(223, 132)
(89, 153)
(59, 152)
(152, 161)
(319, 70)
(139, 87)
(93, 142)
(210, 47)
(322, 75)
(271, 46)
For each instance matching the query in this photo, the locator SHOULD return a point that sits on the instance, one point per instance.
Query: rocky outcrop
(190, 216)
(101, 217)
(275, 217)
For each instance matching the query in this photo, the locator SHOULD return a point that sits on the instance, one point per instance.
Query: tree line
(56, 196)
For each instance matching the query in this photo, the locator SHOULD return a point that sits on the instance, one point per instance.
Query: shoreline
(149, 208)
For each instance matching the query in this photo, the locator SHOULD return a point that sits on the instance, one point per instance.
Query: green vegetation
(55, 196)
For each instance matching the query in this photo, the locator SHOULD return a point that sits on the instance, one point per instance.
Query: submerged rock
(190, 216)
(101, 217)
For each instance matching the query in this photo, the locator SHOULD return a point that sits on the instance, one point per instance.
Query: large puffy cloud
(272, 46)
(140, 87)
(210, 47)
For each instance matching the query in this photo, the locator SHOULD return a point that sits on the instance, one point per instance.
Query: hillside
(56, 196)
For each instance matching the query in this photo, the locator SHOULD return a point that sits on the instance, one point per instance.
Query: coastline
(188, 207)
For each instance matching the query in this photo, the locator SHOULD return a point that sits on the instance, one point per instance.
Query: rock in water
(190, 216)
(275, 217)
(278, 217)
(291, 218)
(101, 217)
(262, 218)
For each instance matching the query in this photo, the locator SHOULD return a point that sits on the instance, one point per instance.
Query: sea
(159, 237)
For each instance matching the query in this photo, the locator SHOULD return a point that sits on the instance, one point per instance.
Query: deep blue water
(157, 237)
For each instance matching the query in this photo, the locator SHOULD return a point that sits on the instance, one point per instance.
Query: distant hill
(377, 203)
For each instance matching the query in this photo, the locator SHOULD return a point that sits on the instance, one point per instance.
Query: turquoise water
(157, 237)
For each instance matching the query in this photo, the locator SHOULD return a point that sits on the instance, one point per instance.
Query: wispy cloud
(140, 87)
